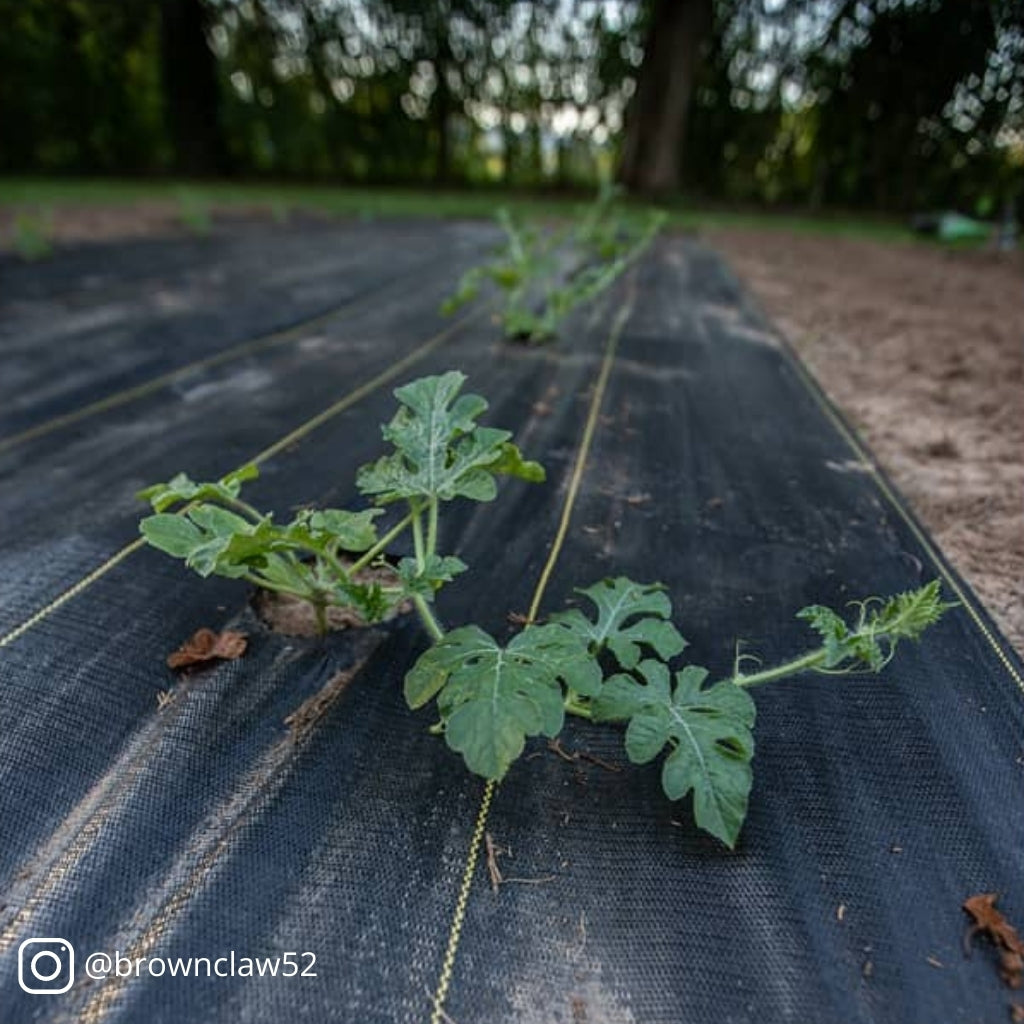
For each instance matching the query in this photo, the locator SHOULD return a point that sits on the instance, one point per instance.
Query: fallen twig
(493, 851)
(492, 862)
(575, 756)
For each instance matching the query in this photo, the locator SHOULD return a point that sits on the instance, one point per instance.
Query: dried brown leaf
(989, 921)
(207, 645)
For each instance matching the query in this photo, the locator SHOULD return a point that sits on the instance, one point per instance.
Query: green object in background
(194, 212)
(955, 227)
(32, 233)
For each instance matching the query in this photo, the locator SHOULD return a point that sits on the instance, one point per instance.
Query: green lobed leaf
(507, 275)
(467, 291)
(631, 617)
(623, 695)
(511, 463)
(519, 322)
(440, 451)
(172, 534)
(832, 630)
(906, 616)
(437, 570)
(336, 529)
(182, 488)
(210, 539)
(368, 599)
(214, 541)
(709, 731)
(492, 697)
(283, 573)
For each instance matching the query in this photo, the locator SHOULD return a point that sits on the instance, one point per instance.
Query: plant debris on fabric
(207, 645)
(990, 922)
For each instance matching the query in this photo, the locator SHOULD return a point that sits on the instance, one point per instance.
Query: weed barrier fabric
(214, 422)
(881, 801)
(60, 356)
(103, 656)
(212, 825)
(135, 614)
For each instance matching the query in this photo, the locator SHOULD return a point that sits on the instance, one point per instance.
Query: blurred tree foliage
(887, 104)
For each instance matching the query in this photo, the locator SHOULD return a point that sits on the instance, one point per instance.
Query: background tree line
(886, 104)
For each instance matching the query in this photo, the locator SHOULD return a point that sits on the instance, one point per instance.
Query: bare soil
(923, 350)
(98, 222)
(88, 223)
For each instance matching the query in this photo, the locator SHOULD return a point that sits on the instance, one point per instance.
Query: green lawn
(31, 193)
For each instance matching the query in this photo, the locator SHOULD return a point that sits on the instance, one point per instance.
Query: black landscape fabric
(289, 801)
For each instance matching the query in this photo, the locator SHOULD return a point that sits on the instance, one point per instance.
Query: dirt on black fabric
(923, 350)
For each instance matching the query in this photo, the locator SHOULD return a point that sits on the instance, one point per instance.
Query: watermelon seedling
(617, 663)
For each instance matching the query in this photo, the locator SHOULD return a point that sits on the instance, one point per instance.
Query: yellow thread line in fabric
(438, 1016)
(461, 904)
(862, 453)
(92, 829)
(119, 398)
(577, 475)
(73, 591)
(289, 439)
(361, 392)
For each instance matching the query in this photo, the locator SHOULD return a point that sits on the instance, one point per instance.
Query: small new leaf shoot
(440, 451)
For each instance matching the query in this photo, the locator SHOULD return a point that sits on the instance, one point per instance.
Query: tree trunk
(652, 150)
(191, 92)
(442, 102)
(442, 120)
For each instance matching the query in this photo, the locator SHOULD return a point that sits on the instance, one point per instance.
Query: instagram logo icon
(46, 967)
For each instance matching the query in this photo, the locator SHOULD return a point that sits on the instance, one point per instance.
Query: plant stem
(574, 705)
(417, 539)
(335, 563)
(321, 617)
(432, 527)
(807, 661)
(276, 587)
(245, 508)
(420, 603)
(365, 559)
(432, 626)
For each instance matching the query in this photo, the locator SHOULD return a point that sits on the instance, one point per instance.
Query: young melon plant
(535, 297)
(440, 453)
(194, 213)
(616, 663)
(32, 234)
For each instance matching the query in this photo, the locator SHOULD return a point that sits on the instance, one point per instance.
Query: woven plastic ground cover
(212, 824)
